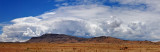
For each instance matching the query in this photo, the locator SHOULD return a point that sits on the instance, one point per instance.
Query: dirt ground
(77, 47)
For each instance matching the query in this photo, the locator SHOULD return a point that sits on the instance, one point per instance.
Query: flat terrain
(77, 47)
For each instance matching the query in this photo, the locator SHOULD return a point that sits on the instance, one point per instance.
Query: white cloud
(152, 5)
(90, 20)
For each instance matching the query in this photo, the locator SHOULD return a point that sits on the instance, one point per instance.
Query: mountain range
(62, 38)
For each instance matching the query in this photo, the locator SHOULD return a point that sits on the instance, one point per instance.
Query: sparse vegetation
(77, 47)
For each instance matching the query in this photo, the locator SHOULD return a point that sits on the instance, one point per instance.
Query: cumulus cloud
(90, 20)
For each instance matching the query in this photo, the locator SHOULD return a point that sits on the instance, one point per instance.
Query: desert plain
(77, 47)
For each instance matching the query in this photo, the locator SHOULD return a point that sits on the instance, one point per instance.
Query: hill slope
(62, 38)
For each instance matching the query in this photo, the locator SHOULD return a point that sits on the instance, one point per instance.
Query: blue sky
(125, 19)
(12, 9)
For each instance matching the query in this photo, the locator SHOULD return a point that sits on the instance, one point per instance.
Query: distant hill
(62, 38)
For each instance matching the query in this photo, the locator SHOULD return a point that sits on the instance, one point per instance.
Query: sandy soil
(77, 47)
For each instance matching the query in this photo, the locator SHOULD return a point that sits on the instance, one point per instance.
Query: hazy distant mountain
(62, 38)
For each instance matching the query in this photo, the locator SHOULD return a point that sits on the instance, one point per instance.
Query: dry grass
(77, 47)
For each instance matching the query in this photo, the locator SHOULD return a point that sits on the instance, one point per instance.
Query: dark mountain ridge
(56, 38)
(62, 38)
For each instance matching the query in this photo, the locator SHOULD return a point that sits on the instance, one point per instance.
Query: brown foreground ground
(77, 47)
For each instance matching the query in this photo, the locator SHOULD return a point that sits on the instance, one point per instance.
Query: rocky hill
(56, 38)
(62, 38)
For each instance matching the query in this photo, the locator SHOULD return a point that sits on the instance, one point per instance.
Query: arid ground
(77, 47)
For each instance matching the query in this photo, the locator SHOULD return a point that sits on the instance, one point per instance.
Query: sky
(128, 20)
(12, 9)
